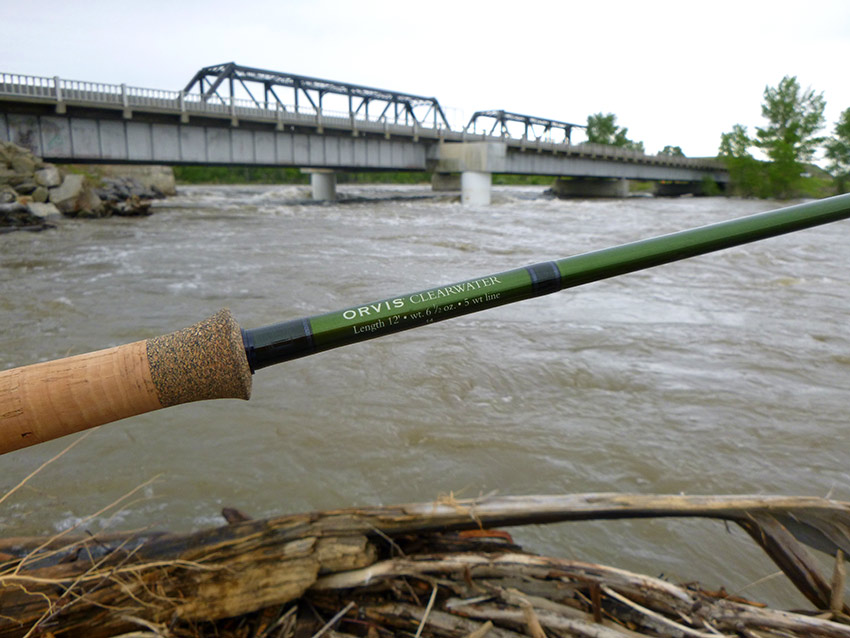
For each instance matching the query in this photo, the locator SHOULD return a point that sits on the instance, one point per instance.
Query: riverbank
(34, 193)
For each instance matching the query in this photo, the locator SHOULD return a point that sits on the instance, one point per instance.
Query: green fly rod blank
(301, 337)
(215, 358)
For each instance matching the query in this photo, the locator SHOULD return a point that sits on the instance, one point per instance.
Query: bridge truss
(536, 128)
(224, 82)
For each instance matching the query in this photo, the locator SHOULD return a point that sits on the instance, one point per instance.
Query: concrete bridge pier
(323, 183)
(476, 162)
(475, 188)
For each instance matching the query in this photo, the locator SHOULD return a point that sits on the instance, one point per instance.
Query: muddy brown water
(724, 374)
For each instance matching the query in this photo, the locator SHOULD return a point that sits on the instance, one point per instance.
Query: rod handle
(48, 400)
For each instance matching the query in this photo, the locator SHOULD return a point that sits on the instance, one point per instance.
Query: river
(723, 374)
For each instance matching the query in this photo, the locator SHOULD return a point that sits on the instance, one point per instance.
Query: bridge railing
(27, 85)
(60, 90)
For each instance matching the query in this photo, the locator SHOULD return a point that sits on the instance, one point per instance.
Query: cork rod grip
(48, 400)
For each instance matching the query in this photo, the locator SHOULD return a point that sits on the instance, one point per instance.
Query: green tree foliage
(603, 129)
(285, 175)
(736, 143)
(838, 152)
(239, 175)
(748, 175)
(672, 151)
(789, 139)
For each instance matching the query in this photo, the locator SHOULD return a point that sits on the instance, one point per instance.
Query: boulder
(25, 163)
(6, 176)
(26, 187)
(43, 210)
(65, 196)
(16, 216)
(133, 206)
(40, 194)
(76, 196)
(7, 195)
(49, 176)
(159, 180)
(31, 189)
(91, 203)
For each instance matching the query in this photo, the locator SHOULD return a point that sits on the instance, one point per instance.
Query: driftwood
(405, 567)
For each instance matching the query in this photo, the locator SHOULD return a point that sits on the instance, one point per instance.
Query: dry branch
(91, 586)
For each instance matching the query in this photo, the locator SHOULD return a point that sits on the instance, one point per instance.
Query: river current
(723, 374)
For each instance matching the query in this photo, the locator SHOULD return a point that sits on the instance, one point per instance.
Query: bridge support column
(445, 182)
(590, 187)
(323, 182)
(476, 162)
(475, 188)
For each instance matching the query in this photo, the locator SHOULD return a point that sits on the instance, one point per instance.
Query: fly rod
(215, 359)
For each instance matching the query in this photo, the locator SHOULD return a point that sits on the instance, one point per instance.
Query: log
(195, 577)
(98, 586)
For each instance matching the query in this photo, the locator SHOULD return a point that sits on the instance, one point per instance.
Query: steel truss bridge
(210, 80)
(531, 125)
(235, 115)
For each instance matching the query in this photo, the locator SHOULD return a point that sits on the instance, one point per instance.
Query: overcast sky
(678, 73)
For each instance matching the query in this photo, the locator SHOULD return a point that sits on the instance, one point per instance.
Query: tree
(673, 151)
(746, 173)
(603, 129)
(789, 139)
(838, 151)
(736, 143)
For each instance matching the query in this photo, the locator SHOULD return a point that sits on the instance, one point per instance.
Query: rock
(43, 211)
(6, 175)
(76, 196)
(12, 207)
(25, 188)
(40, 194)
(6, 153)
(158, 180)
(133, 206)
(126, 196)
(118, 189)
(24, 163)
(65, 196)
(92, 203)
(48, 176)
(16, 216)
(113, 189)
(19, 159)
(13, 179)
(31, 189)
